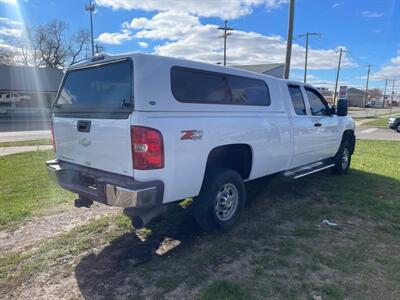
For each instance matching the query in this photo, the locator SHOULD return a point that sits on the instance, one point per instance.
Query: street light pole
(227, 32)
(289, 39)
(91, 8)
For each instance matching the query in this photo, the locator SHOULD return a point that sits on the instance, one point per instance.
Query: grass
(16, 267)
(279, 249)
(225, 290)
(26, 143)
(25, 187)
(378, 122)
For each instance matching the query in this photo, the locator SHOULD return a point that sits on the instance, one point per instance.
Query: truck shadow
(123, 267)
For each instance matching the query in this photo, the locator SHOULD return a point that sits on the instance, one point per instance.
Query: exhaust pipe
(141, 217)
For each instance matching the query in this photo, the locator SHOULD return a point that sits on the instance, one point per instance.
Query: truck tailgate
(103, 144)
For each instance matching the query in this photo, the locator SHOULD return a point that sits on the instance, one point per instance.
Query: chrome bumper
(122, 197)
(107, 188)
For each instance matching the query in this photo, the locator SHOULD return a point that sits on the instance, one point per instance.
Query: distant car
(394, 123)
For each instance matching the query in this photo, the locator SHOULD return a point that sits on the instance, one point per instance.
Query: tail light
(147, 148)
(52, 137)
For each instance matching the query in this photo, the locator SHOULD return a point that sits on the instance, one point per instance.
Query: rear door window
(297, 99)
(248, 91)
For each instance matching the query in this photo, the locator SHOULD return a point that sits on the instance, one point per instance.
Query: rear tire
(221, 198)
(342, 159)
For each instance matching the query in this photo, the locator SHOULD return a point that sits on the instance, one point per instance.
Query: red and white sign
(343, 92)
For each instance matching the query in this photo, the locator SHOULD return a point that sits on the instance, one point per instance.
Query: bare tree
(78, 44)
(7, 56)
(375, 93)
(51, 46)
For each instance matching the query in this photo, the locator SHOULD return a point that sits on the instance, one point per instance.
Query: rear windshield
(100, 88)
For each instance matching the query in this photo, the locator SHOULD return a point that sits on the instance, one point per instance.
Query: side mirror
(332, 110)
(342, 108)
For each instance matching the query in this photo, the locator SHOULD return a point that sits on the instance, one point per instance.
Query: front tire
(398, 128)
(342, 159)
(221, 198)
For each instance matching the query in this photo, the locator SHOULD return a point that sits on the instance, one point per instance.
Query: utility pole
(227, 32)
(91, 8)
(307, 34)
(289, 39)
(366, 86)
(337, 75)
(391, 102)
(384, 93)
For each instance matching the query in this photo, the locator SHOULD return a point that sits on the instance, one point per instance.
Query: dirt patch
(38, 229)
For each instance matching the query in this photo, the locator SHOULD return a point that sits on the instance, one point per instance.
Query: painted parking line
(369, 130)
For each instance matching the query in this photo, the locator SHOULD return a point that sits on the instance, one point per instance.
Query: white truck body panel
(279, 139)
(106, 147)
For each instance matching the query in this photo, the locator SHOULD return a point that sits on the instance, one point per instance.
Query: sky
(368, 31)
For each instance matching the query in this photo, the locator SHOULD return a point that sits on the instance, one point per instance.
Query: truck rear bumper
(107, 188)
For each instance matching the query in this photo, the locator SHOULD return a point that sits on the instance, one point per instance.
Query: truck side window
(200, 86)
(195, 86)
(248, 91)
(297, 99)
(317, 105)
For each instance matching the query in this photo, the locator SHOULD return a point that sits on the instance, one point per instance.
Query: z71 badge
(192, 135)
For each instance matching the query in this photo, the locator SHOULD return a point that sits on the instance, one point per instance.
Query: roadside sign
(343, 92)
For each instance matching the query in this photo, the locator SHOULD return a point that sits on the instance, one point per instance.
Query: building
(356, 97)
(276, 70)
(328, 95)
(28, 90)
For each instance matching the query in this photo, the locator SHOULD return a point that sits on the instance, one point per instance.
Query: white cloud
(10, 22)
(182, 35)
(5, 46)
(115, 38)
(226, 9)
(9, 27)
(371, 14)
(391, 70)
(337, 4)
(377, 31)
(9, 1)
(10, 31)
(143, 44)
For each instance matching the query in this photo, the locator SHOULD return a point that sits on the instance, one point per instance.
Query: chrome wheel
(226, 202)
(345, 158)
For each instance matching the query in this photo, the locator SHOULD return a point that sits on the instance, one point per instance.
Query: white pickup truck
(141, 131)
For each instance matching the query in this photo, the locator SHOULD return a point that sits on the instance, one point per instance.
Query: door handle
(83, 126)
(317, 124)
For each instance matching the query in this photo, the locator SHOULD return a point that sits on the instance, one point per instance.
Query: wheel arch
(348, 135)
(238, 157)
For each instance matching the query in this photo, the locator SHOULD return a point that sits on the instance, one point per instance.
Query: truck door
(326, 133)
(303, 129)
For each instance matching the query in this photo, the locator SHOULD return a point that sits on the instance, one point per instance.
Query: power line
(307, 35)
(227, 32)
